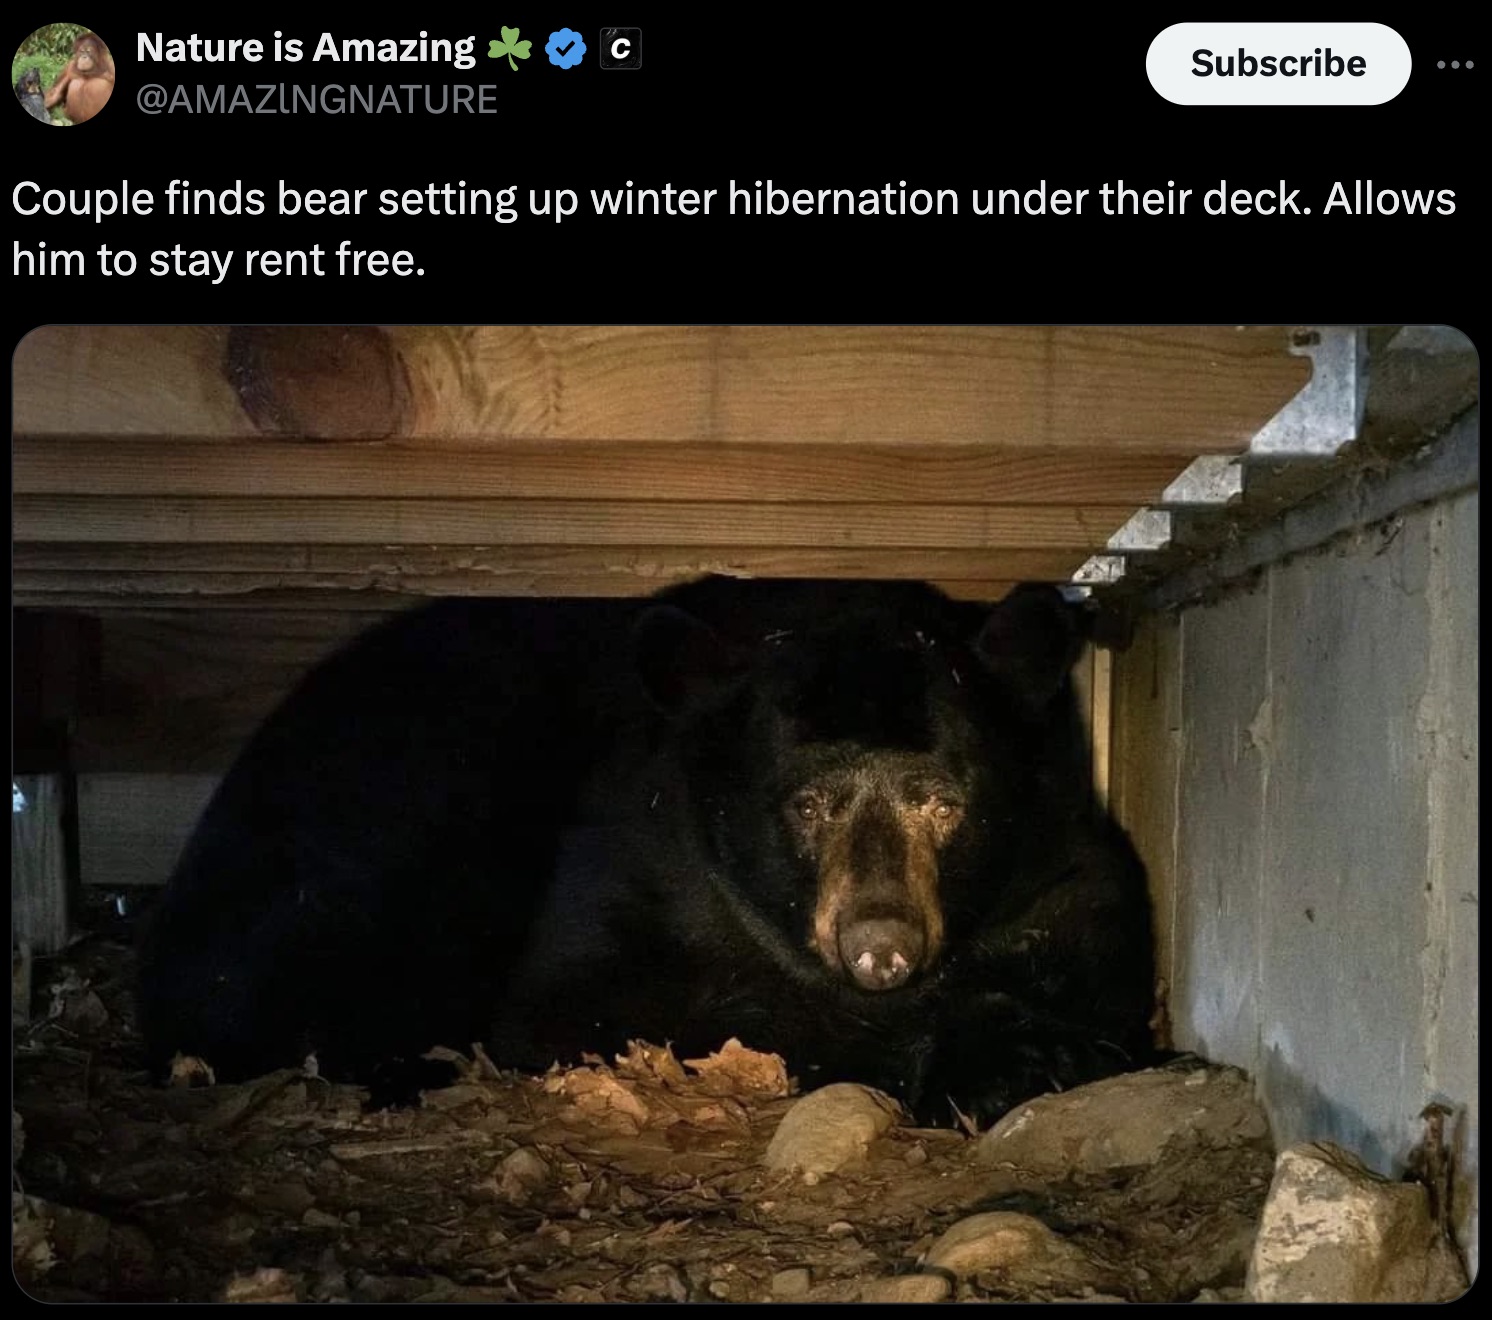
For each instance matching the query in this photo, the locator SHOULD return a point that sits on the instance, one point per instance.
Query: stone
(1126, 1121)
(830, 1129)
(791, 1283)
(1005, 1240)
(1334, 1231)
(907, 1288)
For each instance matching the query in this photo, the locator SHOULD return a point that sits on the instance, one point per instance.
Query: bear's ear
(685, 665)
(1030, 642)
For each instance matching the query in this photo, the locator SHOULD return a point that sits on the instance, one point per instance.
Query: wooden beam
(132, 827)
(181, 690)
(94, 518)
(381, 601)
(1146, 774)
(766, 474)
(251, 589)
(130, 604)
(1101, 721)
(39, 879)
(33, 561)
(1174, 390)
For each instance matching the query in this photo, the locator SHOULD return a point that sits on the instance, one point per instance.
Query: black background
(808, 100)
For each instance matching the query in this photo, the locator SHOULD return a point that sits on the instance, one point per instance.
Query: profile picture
(63, 74)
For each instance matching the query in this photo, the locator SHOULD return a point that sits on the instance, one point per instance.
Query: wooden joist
(376, 561)
(272, 465)
(373, 577)
(178, 520)
(614, 471)
(1172, 390)
(248, 592)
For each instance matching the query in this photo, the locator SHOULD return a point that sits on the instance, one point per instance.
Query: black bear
(852, 823)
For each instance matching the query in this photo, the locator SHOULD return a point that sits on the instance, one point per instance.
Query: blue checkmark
(565, 48)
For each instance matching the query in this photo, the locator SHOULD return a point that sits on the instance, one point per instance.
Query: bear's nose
(880, 953)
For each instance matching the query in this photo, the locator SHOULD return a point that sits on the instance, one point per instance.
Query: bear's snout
(880, 953)
(877, 920)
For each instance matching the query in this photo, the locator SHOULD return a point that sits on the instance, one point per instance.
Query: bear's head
(870, 765)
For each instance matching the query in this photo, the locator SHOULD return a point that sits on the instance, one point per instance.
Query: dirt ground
(637, 1180)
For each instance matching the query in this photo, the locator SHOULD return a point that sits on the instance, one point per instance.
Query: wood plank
(131, 827)
(180, 691)
(987, 592)
(51, 655)
(124, 380)
(765, 474)
(556, 522)
(1082, 691)
(1144, 768)
(32, 561)
(337, 595)
(1180, 390)
(366, 603)
(39, 881)
(356, 603)
(1101, 722)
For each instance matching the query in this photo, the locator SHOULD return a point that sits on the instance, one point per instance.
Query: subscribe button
(1278, 63)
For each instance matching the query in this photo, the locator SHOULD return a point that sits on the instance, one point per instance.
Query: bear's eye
(942, 806)
(808, 807)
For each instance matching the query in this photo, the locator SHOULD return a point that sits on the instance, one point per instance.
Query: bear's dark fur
(848, 822)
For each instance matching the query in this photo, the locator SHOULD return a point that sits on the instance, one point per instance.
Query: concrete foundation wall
(1297, 762)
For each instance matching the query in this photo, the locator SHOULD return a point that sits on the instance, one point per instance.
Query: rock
(85, 1012)
(521, 1173)
(263, 1285)
(791, 1283)
(314, 1218)
(1126, 1121)
(1019, 1244)
(1334, 1231)
(331, 1278)
(830, 1129)
(907, 1288)
(661, 1283)
(1219, 1295)
(31, 1254)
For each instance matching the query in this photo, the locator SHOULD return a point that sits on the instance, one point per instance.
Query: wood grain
(1176, 390)
(642, 561)
(131, 827)
(39, 881)
(767, 473)
(335, 520)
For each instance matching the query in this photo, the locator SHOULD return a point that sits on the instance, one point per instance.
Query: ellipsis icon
(1279, 63)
